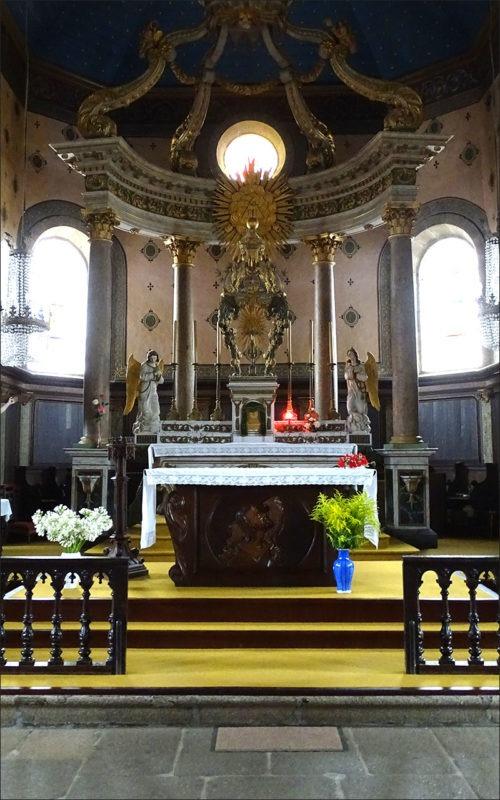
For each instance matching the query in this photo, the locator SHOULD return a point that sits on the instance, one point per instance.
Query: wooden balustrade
(473, 570)
(27, 572)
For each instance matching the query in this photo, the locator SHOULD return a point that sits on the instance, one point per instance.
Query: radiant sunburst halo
(258, 197)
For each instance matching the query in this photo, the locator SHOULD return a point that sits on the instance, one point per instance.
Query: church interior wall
(463, 170)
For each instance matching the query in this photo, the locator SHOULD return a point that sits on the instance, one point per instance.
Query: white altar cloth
(5, 508)
(314, 474)
(256, 448)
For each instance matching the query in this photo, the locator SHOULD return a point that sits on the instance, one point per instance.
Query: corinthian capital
(399, 219)
(100, 223)
(325, 246)
(183, 250)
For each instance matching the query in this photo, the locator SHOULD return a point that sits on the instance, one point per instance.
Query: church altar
(248, 524)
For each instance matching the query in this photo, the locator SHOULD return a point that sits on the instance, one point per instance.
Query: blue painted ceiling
(98, 40)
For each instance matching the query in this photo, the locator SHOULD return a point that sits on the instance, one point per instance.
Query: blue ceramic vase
(343, 570)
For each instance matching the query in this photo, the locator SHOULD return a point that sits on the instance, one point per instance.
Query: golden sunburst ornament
(256, 197)
(252, 324)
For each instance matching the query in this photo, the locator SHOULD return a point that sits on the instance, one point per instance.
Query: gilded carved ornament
(399, 219)
(183, 250)
(406, 105)
(92, 121)
(100, 223)
(262, 200)
(324, 247)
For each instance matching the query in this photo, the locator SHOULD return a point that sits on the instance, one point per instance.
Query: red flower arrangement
(352, 460)
(99, 407)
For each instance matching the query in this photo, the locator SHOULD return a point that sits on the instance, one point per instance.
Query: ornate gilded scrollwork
(321, 146)
(406, 105)
(399, 219)
(324, 247)
(182, 155)
(92, 121)
(100, 223)
(183, 249)
(267, 200)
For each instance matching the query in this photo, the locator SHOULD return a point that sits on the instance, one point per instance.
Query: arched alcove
(55, 213)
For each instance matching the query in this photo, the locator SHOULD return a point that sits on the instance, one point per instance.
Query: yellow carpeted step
(237, 668)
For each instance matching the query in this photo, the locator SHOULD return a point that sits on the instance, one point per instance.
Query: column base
(406, 441)
(422, 538)
(87, 441)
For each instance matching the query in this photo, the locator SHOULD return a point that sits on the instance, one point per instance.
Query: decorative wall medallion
(350, 281)
(216, 251)
(287, 249)
(150, 250)
(434, 126)
(351, 317)
(350, 246)
(70, 133)
(469, 153)
(37, 161)
(150, 320)
(150, 286)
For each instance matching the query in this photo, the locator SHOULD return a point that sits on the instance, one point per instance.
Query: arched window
(250, 140)
(58, 286)
(448, 288)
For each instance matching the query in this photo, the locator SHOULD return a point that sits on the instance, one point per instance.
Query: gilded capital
(399, 219)
(325, 246)
(100, 223)
(183, 250)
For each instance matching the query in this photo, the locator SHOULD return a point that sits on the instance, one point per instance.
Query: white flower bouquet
(69, 529)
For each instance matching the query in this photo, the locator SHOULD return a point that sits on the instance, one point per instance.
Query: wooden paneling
(452, 425)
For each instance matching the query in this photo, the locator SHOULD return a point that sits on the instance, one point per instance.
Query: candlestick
(174, 342)
(195, 348)
(290, 359)
(311, 341)
(217, 340)
(330, 343)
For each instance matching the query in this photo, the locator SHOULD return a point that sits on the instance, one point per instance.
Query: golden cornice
(324, 246)
(183, 250)
(399, 219)
(100, 224)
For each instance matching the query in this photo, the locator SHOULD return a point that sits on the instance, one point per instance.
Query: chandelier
(488, 304)
(18, 321)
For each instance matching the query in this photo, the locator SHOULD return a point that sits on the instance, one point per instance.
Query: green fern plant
(344, 518)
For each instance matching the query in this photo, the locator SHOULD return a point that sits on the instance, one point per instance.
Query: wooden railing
(18, 574)
(475, 570)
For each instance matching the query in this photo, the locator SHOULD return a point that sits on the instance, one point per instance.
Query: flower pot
(71, 582)
(343, 570)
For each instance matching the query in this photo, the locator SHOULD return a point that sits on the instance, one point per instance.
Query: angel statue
(142, 382)
(362, 385)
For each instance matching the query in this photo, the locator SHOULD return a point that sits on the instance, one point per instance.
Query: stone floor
(173, 762)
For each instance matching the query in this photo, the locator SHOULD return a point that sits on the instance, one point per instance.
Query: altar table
(247, 525)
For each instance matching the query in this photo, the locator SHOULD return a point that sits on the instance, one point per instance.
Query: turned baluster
(56, 634)
(86, 581)
(3, 660)
(445, 634)
(474, 632)
(27, 635)
(419, 631)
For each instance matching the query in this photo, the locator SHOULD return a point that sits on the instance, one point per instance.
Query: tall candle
(174, 342)
(217, 354)
(330, 343)
(311, 341)
(194, 342)
(290, 342)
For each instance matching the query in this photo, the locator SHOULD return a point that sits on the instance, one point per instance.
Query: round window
(250, 141)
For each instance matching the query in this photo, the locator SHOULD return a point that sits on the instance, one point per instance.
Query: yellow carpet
(372, 580)
(252, 668)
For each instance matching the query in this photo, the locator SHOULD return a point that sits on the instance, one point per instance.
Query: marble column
(325, 332)
(98, 336)
(183, 251)
(399, 220)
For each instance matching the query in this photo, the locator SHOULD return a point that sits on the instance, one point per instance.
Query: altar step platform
(164, 617)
